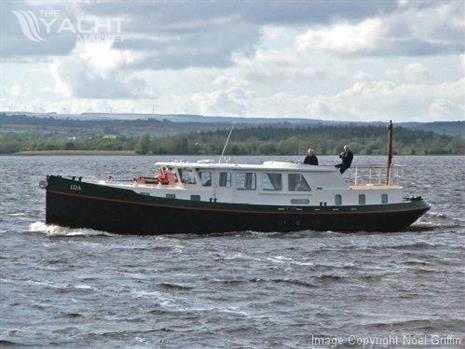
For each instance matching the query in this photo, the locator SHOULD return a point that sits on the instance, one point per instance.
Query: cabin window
(297, 182)
(246, 181)
(384, 198)
(187, 176)
(170, 196)
(338, 199)
(272, 182)
(195, 197)
(225, 179)
(205, 178)
(300, 201)
(362, 200)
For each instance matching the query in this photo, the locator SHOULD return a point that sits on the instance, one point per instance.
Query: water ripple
(81, 288)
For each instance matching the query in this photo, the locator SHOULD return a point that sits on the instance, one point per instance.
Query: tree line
(326, 140)
(262, 140)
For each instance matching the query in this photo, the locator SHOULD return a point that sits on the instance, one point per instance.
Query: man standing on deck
(311, 158)
(346, 156)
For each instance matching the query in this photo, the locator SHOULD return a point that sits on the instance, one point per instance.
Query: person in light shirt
(171, 177)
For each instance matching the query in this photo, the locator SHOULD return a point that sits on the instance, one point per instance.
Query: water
(80, 288)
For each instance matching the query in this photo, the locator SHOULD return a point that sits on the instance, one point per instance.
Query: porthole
(362, 200)
(384, 198)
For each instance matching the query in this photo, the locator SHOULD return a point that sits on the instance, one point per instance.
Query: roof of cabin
(267, 165)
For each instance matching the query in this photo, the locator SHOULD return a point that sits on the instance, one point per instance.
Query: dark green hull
(74, 203)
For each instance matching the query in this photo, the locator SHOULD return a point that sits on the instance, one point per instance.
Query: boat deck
(375, 187)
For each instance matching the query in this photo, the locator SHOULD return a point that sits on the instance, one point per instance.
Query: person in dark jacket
(311, 158)
(346, 156)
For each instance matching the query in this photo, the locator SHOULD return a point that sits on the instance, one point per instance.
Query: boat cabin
(270, 183)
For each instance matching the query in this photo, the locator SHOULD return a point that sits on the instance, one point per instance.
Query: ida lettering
(75, 187)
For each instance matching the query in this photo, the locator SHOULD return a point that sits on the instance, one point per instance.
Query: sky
(334, 60)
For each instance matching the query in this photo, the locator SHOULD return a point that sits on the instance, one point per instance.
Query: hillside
(29, 127)
(88, 125)
(268, 140)
(19, 133)
(452, 128)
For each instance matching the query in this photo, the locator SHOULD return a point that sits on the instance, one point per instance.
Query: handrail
(377, 166)
(374, 175)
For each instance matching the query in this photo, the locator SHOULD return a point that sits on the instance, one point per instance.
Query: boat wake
(56, 230)
(431, 223)
(424, 226)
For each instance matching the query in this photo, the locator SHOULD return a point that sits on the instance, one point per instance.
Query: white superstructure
(271, 183)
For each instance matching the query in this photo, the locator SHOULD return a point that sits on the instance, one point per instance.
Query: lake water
(78, 288)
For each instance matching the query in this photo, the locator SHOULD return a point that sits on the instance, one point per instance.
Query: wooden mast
(389, 149)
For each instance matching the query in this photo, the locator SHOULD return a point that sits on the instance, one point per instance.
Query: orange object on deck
(162, 178)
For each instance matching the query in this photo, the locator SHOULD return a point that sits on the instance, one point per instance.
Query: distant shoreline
(24, 135)
(76, 152)
(133, 153)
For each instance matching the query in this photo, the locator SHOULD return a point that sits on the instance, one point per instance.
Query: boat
(224, 197)
(214, 197)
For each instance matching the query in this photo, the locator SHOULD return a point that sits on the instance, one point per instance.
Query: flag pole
(389, 150)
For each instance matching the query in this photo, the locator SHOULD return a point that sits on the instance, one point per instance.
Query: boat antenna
(226, 144)
(389, 158)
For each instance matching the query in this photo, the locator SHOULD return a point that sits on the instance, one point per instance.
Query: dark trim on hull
(86, 205)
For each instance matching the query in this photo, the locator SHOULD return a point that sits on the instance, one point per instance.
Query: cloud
(208, 44)
(386, 99)
(444, 109)
(259, 13)
(417, 73)
(95, 71)
(178, 35)
(344, 38)
(415, 31)
(201, 34)
(221, 102)
(368, 100)
(14, 90)
(354, 60)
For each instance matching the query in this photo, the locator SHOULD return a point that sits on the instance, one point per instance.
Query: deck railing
(373, 175)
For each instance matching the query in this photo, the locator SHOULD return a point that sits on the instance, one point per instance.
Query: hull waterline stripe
(232, 210)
